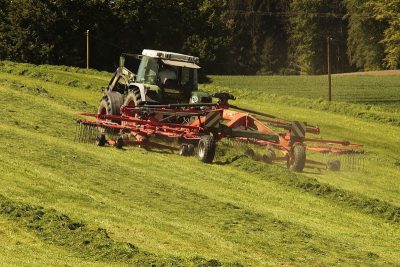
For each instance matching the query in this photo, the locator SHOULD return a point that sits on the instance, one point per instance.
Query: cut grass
(178, 208)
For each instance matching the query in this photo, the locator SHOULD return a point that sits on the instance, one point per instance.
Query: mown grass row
(62, 75)
(90, 243)
(375, 207)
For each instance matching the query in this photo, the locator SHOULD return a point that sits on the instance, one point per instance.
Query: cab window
(147, 72)
(189, 78)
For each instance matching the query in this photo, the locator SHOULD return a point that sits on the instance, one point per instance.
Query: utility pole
(328, 41)
(87, 49)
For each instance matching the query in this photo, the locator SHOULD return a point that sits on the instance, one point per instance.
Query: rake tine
(80, 132)
(84, 133)
(94, 134)
(91, 134)
(92, 137)
(76, 131)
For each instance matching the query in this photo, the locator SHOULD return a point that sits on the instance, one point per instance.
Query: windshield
(147, 72)
(189, 78)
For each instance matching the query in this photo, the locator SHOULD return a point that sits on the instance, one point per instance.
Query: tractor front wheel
(297, 158)
(206, 149)
(110, 104)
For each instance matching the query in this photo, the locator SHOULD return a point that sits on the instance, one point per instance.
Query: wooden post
(328, 40)
(87, 49)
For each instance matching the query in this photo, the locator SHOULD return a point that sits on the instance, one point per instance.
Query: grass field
(374, 89)
(69, 204)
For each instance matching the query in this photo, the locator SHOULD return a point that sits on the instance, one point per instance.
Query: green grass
(351, 88)
(65, 203)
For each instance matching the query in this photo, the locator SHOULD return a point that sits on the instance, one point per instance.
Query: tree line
(230, 36)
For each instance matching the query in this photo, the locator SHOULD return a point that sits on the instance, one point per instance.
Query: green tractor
(162, 78)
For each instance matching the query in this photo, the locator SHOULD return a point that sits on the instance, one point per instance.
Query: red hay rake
(203, 125)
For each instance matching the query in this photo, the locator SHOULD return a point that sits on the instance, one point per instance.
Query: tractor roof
(169, 57)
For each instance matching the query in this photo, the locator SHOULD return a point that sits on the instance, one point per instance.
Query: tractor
(162, 78)
(162, 100)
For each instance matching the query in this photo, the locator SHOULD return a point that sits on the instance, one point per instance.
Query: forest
(230, 36)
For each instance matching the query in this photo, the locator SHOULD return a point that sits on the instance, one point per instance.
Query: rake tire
(119, 143)
(190, 149)
(184, 150)
(297, 161)
(269, 157)
(333, 165)
(101, 140)
(206, 149)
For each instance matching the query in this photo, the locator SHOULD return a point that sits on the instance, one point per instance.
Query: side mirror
(121, 61)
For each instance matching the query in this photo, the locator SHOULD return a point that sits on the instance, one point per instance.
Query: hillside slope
(78, 204)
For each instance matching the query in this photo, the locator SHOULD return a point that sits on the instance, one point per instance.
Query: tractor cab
(162, 78)
(170, 77)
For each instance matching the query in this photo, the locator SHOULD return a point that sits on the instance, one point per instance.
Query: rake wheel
(206, 149)
(101, 140)
(269, 157)
(184, 150)
(297, 158)
(333, 165)
(190, 149)
(119, 142)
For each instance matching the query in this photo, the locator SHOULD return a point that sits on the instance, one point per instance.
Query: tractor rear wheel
(206, 149)
(297, 158)
(133, 99)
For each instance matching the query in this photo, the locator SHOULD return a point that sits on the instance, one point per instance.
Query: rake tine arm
(332, 142)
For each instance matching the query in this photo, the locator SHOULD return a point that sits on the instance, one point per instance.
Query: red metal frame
(142, 122)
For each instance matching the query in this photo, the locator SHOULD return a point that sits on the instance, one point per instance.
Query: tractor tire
(206, 149)
(183, 150)
(133, 99)
(110, 104)
(297, 161)
(333, 165)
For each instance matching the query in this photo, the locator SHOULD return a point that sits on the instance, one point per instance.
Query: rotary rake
(202, 125)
